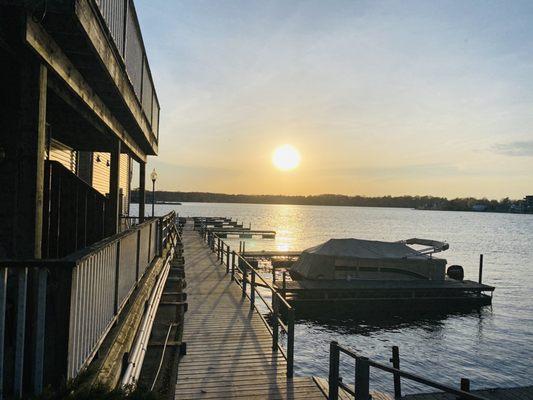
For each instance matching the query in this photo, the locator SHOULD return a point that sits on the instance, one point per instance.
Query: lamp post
(153, 175)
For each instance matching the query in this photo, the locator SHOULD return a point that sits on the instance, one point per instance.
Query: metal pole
(290, 343)
(333, 378)
(153, 197)
(362, 379)
(480, 268)
(396, 364)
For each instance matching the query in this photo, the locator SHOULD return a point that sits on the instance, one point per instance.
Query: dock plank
(229, 348)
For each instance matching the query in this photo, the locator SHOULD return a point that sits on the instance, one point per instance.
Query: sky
(379, 97)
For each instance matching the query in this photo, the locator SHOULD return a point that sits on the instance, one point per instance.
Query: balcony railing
(56, 313)
(123, 26)
(74, 212)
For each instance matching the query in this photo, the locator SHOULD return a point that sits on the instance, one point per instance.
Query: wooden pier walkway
(229, 349)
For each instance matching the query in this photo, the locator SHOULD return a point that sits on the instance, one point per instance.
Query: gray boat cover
(366, 259)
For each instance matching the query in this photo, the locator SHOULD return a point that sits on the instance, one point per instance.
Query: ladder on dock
(229, 348)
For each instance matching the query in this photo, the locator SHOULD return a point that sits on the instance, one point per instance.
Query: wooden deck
(519, 393)
(229, 349)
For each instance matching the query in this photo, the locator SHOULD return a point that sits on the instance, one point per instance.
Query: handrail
(362, 376)
(79, 296)
(239, 263)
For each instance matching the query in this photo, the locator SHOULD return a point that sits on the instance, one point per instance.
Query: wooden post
(333, 379)
(142, 191)
(22, 170)
(233, 265)
(480, 268)
(114, 195)
(252, 289)
(397, 380)
(273, 273)
(465, 386)
(244, 277)
(227, 259)
(275, 322)
(362, 378)
(290, 343)
(284, 282)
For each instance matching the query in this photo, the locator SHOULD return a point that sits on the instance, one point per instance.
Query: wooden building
(78, 109)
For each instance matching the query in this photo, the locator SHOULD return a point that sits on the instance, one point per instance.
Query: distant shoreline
(425, 203)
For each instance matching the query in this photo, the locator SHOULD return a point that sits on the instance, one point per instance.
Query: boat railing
(250, 279)
(361, 389)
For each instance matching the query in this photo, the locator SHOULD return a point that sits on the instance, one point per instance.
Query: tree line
(418, 202)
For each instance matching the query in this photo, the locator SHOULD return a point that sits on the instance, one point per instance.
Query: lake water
(492, 347)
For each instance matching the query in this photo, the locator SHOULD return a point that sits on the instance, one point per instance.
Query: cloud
(515, 149)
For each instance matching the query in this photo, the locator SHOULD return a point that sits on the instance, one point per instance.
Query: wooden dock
(229, 349)
(518, 393)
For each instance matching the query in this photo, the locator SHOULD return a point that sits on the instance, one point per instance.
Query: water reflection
(389, 319)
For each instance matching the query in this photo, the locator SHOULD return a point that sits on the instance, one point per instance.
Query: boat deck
(307, 285)
(229, 349)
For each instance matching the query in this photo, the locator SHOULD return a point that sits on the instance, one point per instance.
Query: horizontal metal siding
(113, 13)
(147, 93)
(134, 56)
(63, 154)
(124, 182)
(101, 172)
(155, 116)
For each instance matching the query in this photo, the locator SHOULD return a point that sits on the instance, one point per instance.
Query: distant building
(528, 203)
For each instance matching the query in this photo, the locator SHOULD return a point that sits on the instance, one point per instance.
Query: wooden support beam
(90, 24)
(27, 148)
(58, 62)
(114, 193)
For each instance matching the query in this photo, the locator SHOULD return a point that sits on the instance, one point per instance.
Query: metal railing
(123, 26)
(361, 390)
(249, 279)
(56, 312)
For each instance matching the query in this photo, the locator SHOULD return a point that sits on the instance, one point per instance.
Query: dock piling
(465, 387)
(362, 378)
(396, 365)
(480, 268)
(333, 379)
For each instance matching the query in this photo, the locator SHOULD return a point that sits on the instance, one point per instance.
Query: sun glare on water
(286, 157)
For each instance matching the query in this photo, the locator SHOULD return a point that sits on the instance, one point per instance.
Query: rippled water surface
(492, 347)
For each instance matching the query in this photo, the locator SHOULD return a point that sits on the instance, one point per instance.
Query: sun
(286, 157)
